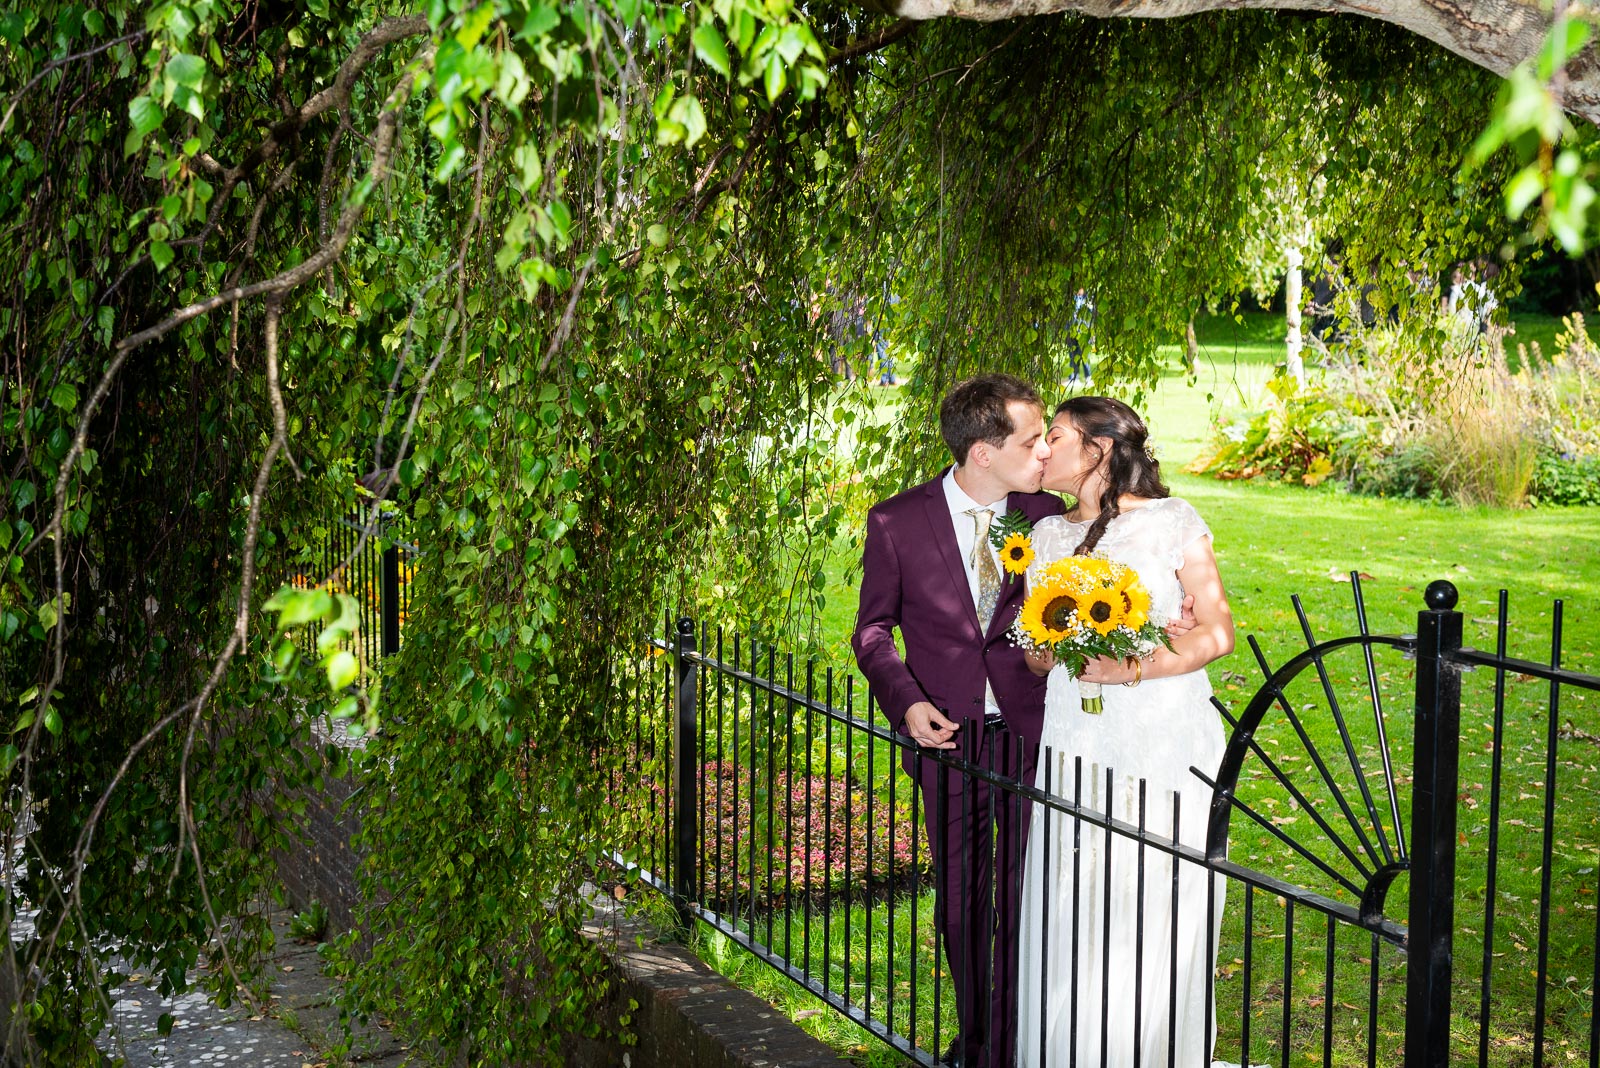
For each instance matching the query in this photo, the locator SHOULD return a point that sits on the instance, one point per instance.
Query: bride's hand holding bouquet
(1082, 608)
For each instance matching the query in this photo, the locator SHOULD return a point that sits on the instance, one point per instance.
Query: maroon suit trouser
(978, 833)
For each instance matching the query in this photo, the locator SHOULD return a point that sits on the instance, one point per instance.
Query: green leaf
(13, 27)
(474, 25)
(346, 618)
(185, 70)
(709, 46)
(145, 117)
(1566, 38)
(52, 720)
(342, 669)
(529, 165)
(513, 85)
(790, 44)
(180, 22)
(1526, 186)
(64, 396)
(774, 79)
(296, 607)
(540, 21)
(687, 113)
(160, 254)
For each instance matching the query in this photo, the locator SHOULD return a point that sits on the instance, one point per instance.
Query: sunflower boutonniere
(1010, 536)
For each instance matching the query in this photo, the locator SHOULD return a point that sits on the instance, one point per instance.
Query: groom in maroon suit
(928, 569)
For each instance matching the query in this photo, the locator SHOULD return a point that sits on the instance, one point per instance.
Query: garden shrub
(1294, 437)
(1562, 478)
(824, 834)
(1407, 471)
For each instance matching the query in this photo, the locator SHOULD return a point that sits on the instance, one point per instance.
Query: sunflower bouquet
(1082, 607)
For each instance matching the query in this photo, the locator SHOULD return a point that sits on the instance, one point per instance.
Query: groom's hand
(929, 727)
(1184, 623)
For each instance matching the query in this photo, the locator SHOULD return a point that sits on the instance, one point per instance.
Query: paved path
(300, 1030)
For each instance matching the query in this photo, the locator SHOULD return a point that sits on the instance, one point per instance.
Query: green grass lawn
(1275, 541)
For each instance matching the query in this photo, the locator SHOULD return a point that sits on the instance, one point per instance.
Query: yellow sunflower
(1016, 554)
(1135, 599)
(1049, 615)
(1103, 611)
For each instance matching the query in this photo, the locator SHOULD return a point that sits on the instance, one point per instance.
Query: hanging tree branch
(274, 289)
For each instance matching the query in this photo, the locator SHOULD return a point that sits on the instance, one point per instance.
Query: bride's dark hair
(1129, 469)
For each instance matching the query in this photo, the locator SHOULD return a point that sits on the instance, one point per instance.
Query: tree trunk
(1494, 34)
(1291, 319)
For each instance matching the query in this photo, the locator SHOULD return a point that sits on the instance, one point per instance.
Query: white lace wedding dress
(1079, 968)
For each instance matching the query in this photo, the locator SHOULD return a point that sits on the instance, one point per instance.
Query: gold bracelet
(1138, 674)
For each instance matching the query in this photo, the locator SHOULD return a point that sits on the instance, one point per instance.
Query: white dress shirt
(966, 535)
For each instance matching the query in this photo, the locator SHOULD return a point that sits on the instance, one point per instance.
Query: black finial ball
(1441, 595)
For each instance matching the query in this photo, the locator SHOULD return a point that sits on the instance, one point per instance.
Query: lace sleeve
(1186, 527)
(1051, 540)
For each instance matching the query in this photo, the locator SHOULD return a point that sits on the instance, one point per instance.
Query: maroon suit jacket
(913, 578)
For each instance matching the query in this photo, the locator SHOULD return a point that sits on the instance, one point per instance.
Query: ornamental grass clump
(1566, 400)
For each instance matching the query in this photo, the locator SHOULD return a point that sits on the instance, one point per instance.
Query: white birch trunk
(1291, 314)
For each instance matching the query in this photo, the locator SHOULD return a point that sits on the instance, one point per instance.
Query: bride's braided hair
(1130, 469)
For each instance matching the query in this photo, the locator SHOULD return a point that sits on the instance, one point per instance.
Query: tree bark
(1494, 34)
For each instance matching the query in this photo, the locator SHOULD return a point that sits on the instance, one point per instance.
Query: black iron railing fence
(1373, 903)
(765, 807)
(371, 564)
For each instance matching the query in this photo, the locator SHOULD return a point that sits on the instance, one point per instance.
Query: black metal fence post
(685, 744)
(1436, 755)
(390, 600)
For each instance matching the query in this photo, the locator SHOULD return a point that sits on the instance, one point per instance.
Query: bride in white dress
(1079, 966)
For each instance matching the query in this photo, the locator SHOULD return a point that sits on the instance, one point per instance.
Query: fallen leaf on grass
(1335, 575)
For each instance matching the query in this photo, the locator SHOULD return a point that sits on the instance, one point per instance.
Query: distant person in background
(847, 328)
(1469, 300)
(1079, 335)
(882, 360)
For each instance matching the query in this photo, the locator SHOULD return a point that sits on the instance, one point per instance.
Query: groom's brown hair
(977, 410)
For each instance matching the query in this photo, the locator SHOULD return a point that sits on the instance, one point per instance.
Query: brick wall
(321, 866)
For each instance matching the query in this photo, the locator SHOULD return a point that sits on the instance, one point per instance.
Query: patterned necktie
(983, 563)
